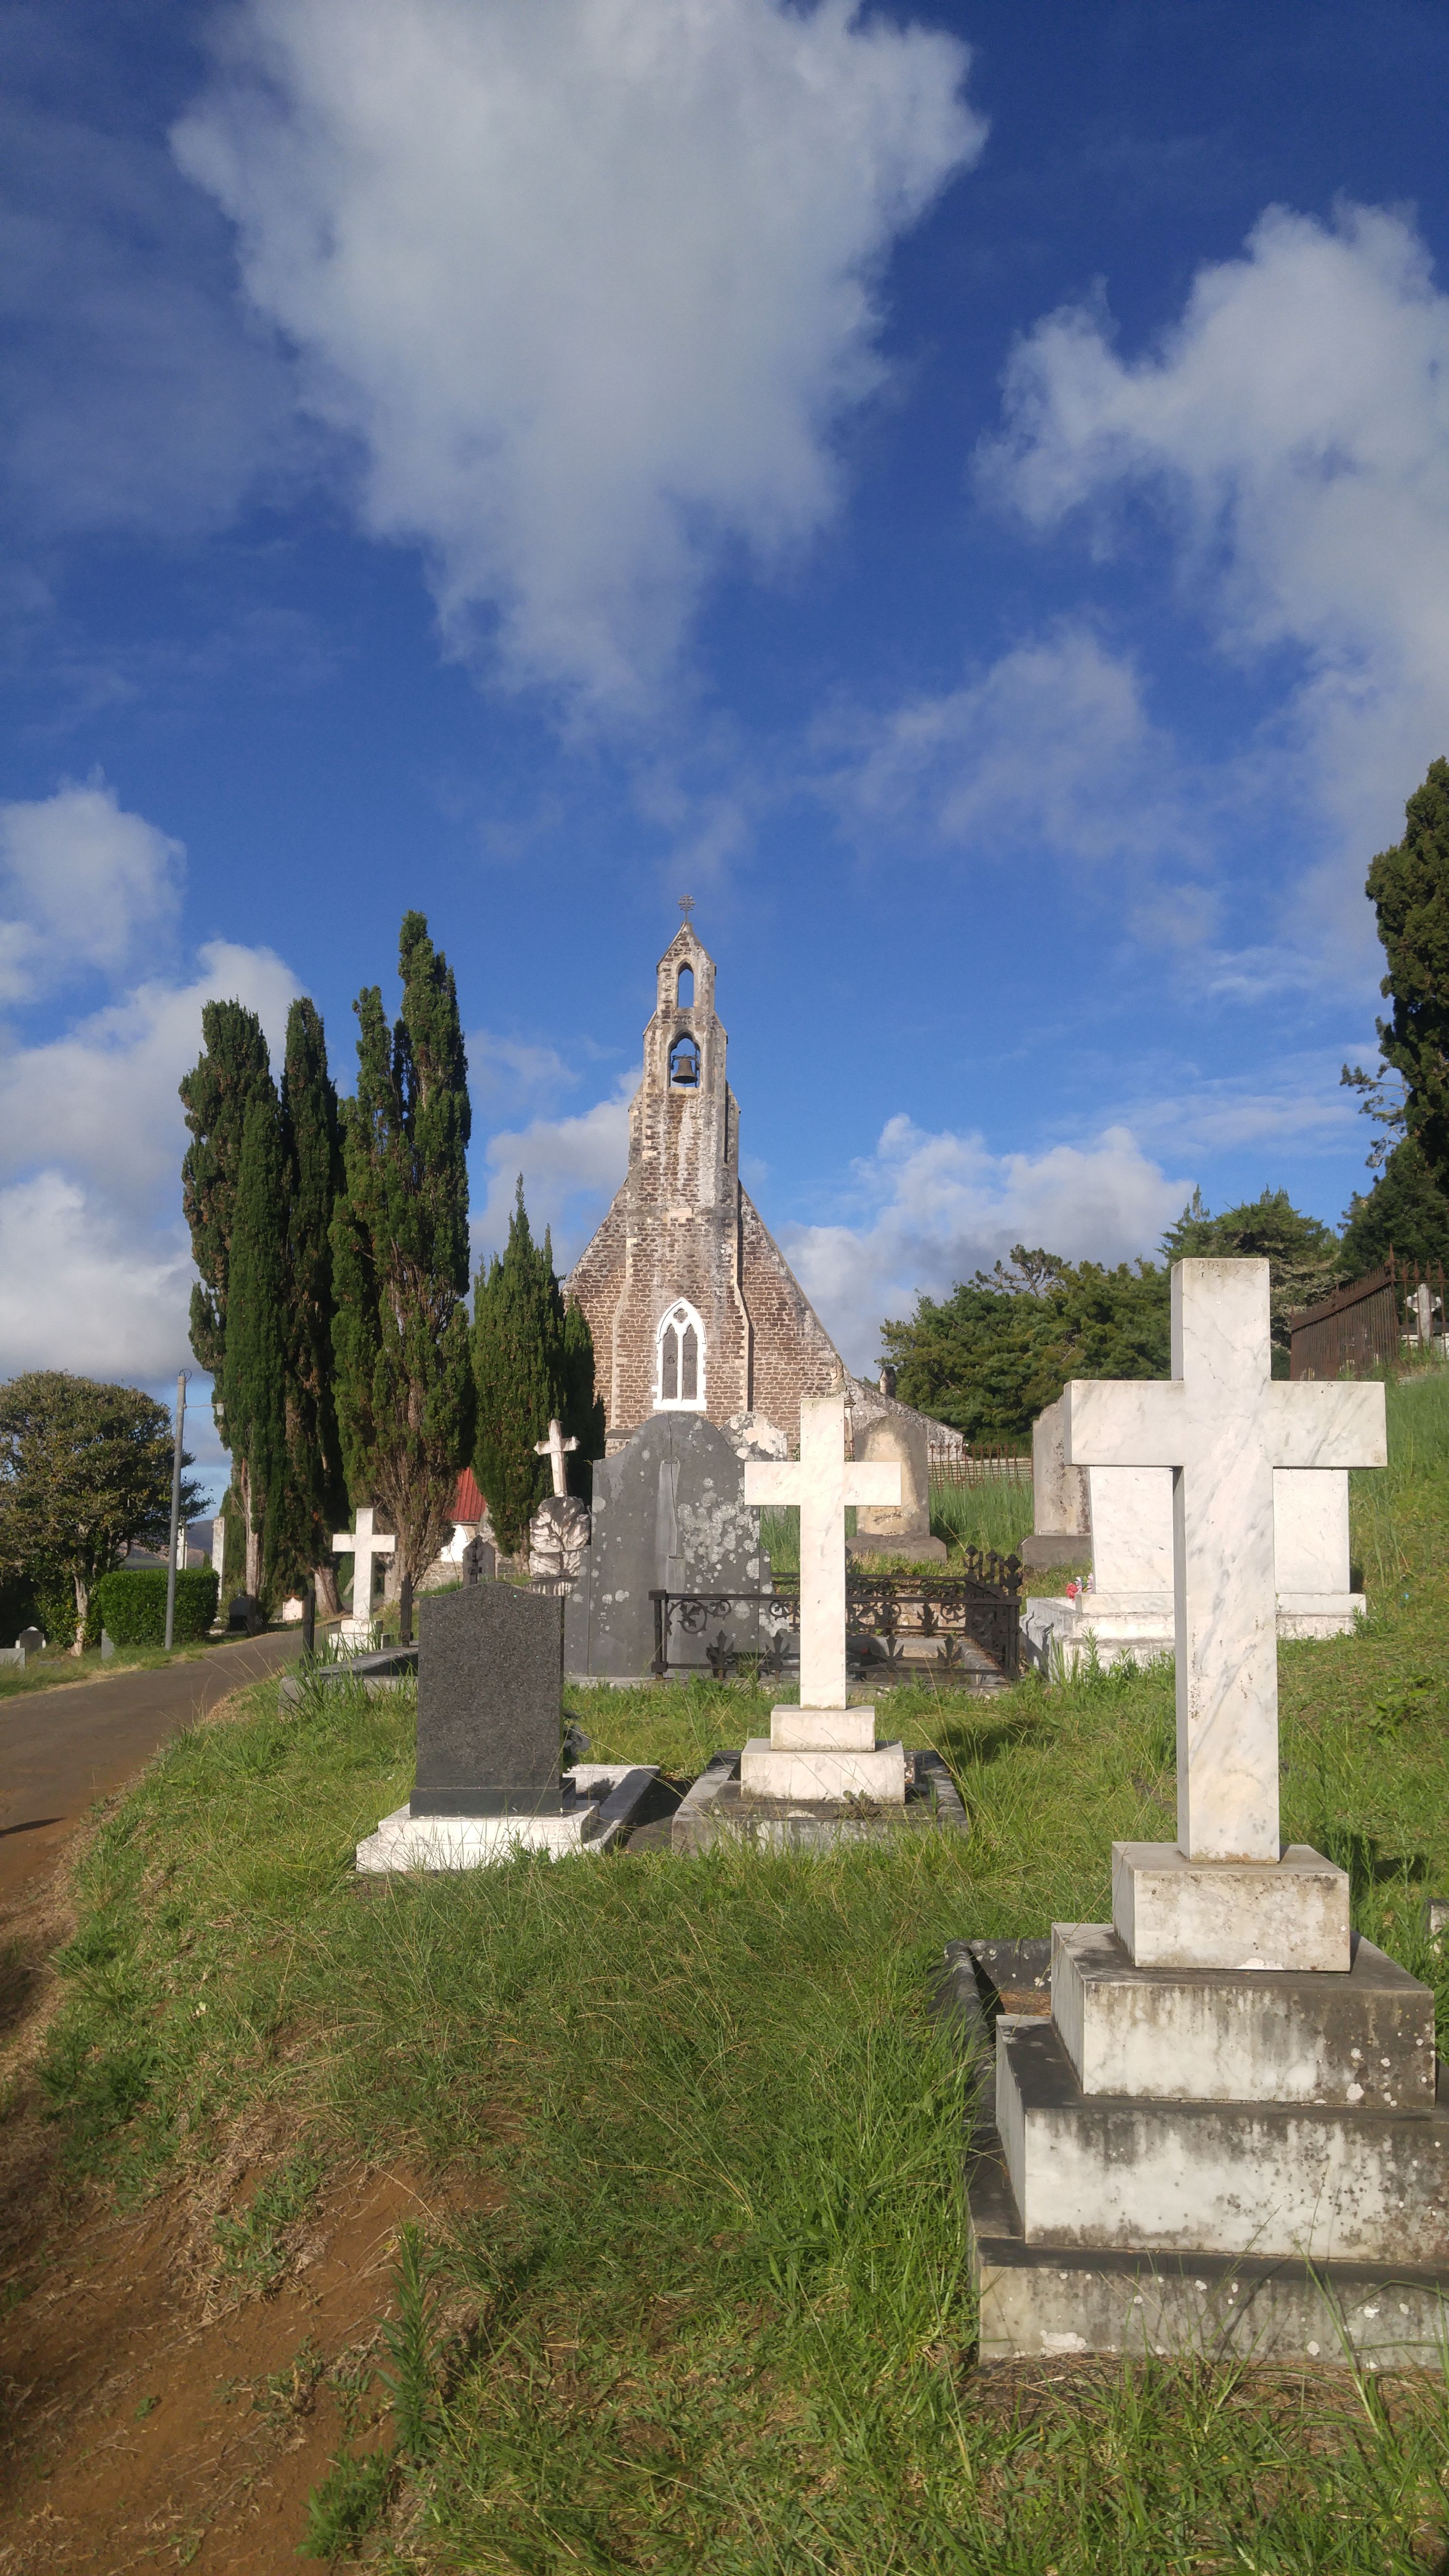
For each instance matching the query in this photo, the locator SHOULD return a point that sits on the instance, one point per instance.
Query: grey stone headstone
(31, 1639)
(669, 1514)
(490, 1703)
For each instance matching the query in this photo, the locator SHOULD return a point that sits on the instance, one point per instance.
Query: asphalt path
(62, 1749)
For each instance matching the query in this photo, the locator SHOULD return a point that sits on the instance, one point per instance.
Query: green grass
(717, 2312)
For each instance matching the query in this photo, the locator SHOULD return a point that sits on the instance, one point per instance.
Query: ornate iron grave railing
(919, 1622)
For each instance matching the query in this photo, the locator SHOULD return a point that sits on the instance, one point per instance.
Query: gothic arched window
(679, 1370)
(684, 990)
(684, 1065)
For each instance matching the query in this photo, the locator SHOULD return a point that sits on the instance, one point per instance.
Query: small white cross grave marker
(555, 1448)
(1222, 1423)
(822, 1481)
(362, 1545)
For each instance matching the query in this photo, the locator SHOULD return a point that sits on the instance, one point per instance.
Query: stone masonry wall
(681, 1227)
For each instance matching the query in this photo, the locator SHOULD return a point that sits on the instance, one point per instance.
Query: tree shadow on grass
(968, 1745)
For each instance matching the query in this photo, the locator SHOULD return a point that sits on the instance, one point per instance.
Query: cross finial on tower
(686, 906)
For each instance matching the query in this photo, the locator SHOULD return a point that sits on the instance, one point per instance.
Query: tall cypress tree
(1409, 886)
(254, 1366)
(582, 1412)
(517, 1351)
(533, 1363)
(400, 1257)
(232, 1077)
(216, 1094)
(312, 1151)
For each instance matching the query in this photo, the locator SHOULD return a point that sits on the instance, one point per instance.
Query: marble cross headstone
(822, 1481)
(1222, 1424)
(362, 1545)
(555, 1448)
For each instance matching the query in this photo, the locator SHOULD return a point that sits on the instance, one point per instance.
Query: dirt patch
(141, 2431)
(151, 2414)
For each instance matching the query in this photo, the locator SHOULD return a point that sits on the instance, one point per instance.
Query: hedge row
(131, 1604)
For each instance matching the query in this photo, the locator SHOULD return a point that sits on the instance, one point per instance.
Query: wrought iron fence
(919, 1621)
(1368, 1324)
(981, 1465)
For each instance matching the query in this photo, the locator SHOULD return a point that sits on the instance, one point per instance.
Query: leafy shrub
(131, 1604)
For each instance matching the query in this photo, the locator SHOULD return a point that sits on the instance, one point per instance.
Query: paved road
(61, 1749)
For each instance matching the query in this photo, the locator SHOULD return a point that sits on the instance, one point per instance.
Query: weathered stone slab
(1289, 1914)
(717, 1807)
(1363, 2037)
(1050, 2301)
(1305, 2179)
(490, 1703)
(599, 1803)
(874, 1771)
(668, 1515)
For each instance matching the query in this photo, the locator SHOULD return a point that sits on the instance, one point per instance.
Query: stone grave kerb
(1222, 1423)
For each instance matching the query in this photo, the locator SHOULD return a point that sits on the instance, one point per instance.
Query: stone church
(692, 1305)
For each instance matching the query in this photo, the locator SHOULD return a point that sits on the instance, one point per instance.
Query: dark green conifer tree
(1405, 1213)
(254, 1366)
(400, 1258)
(216, 1094)
(518, 1374)
(1409, 887)
(232, 1075)
(581, 1412)
(312, 1149)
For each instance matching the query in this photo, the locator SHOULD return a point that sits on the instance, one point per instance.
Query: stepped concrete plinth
(1362, 2038)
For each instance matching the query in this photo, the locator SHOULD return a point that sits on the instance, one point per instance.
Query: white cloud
(80, 882)
(587, 285)
(1049, 748)
(935, 1207)
(100, 1101)
(571, 1168)
(84, 1288)
(1295, 423)
(95, 1270)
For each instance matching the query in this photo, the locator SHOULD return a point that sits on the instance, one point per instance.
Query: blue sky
(961, 491)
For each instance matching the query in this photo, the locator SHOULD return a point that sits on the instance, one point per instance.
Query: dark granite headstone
(490, 1703)
(478, 1561)
(31, 1640)
(246, 1616)
(668, 1513)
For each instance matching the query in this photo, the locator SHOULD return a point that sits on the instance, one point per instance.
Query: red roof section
(468, 1503)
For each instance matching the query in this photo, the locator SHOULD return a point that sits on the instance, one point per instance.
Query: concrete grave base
(718, 1806)
(1046, 2301)
(601, 1800)
(382, 1671)
(1289, 1914)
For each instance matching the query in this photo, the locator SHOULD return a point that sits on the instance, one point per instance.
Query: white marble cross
(1222, 1423)
(554, 1448)
(362, 1545)
(822, 1481)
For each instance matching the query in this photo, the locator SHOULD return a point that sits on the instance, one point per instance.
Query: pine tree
(254, 1366)
(312, 1150)
(1409, 886)
(400, 1258)
(518, 1372)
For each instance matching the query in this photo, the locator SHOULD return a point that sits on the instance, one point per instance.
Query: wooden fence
(1375, 1322)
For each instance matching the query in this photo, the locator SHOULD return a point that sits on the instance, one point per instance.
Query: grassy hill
(701, 2298)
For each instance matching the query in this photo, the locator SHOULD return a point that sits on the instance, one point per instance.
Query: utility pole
(175, 1509)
